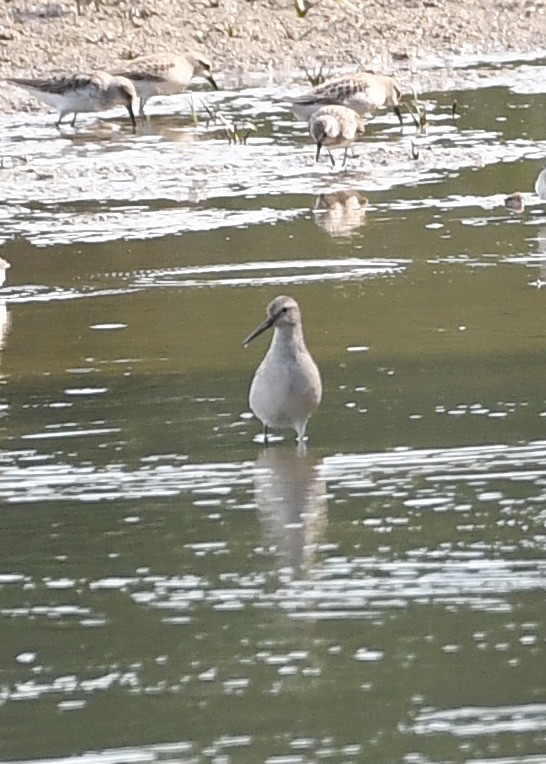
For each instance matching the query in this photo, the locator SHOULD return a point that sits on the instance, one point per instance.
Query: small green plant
(418, 112)
(302, 7)
(236, 132)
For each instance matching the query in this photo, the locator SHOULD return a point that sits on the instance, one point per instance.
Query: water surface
(172, 591)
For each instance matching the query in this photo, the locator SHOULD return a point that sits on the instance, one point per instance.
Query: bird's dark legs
(266, 435)
(332, 160)
(345, 156)
(132, 116)
(61, 115)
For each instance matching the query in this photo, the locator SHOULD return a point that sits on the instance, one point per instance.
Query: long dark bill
(317, 155)
(263, 327)
(396, 110)
(212, 81)
(132, 115)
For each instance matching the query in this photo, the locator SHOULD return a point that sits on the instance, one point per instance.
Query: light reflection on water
(171, 591)
(347, 539)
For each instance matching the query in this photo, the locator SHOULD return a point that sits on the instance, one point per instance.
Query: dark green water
(172, 591)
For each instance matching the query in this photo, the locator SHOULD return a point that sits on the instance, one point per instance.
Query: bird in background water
(165, 74)
(335, 127)
(286, 387)
(72, 94)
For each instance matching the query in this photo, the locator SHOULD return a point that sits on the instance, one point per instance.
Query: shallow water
(172, 591)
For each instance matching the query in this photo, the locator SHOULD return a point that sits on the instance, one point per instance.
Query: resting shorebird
(286, 387)
(335, 127)
(165, 74)
(99, 91)
(363, 92)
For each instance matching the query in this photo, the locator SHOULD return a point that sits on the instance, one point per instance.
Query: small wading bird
(363, 92)
(335, 127)
(77, 93)
(515, 203)
(286, 388)
(165, 74)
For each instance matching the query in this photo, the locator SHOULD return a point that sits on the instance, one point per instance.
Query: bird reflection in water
(540, 259)
(291, 499)
(5, 319)
(340, 213)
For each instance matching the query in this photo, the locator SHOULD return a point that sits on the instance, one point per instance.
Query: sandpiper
(286, 388)
(364, 92)
(165, 74)
(515, 203)
(335, 127)
(98, 91)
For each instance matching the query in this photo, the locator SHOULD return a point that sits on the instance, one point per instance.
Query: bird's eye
(284, 310)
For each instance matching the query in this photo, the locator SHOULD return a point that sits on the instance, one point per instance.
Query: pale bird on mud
(364, 92)
(77, 93)
(165, 74)
(335, 127)
(286, 388)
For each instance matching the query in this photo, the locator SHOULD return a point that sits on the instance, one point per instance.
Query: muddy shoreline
(259, 41)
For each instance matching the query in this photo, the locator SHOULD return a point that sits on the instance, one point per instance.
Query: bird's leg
(301, 448)
(266, 435)
(73, 123)
(141, 107)
(345, 156)
(332, 160)
(300, 431)
(61, 115)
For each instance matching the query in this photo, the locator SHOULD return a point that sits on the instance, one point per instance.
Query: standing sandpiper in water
(99, 91)
(364, 92)
(286, 388)
(335, 127)
(165, 74)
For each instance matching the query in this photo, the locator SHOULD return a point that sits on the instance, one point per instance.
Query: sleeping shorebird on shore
(165, 74)
(80, 4)
(335, 127)
(286, 388)
(77, 93)
(364, 92)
